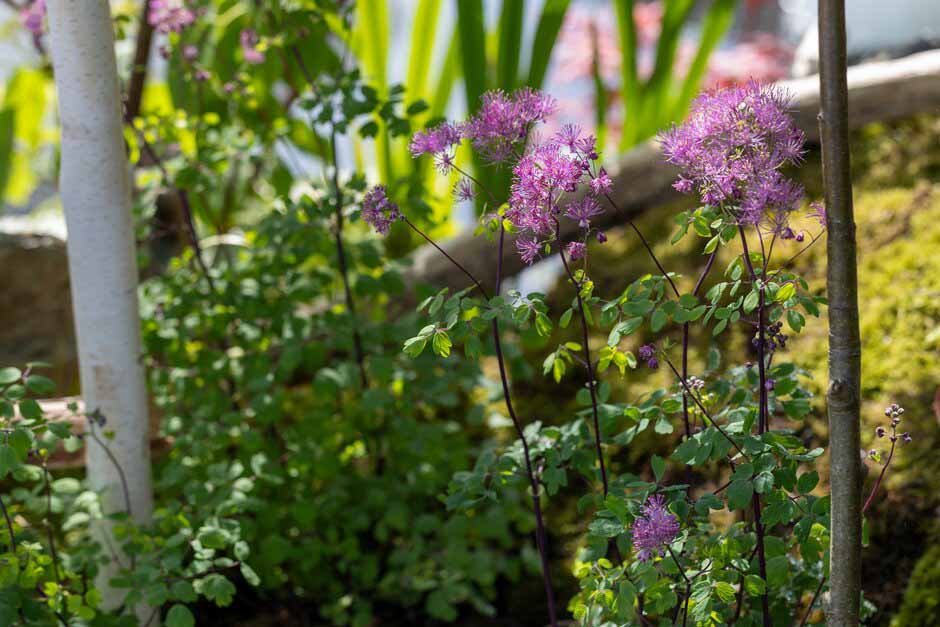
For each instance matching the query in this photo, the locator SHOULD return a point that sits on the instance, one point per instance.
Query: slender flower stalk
(587, 360)
(343, 269)
(498, 131)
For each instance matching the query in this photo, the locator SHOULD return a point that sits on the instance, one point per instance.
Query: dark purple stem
(685, 344)
(343, 270)
(809, 608)
(762, 424)
(881, 476)
(541, 537)
(466, 272)
(587, 358)
(701, 407)
(646, 245)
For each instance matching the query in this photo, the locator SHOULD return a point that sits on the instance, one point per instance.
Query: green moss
(922, 599)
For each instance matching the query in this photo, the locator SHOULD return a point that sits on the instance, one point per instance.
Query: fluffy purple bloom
(529, 249)
(583, 210)
(819, 212)
(540, 178)
(249, 42)
(464, 190)
(654, 528)
(576, 250)
(501, 124)
(731, 148)
(647, 351)
(378, 210)
(435, 140)
(32, 17)
(170, 15)
(601, 184)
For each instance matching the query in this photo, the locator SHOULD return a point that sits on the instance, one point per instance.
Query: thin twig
(705, 412)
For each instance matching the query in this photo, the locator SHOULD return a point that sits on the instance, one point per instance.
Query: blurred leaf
(550, 21)
(714, 26)
(510, 43)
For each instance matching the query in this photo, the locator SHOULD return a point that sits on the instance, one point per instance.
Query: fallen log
(878, 92)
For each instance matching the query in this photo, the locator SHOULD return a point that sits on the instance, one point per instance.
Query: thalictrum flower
(576, 250)
(32, 17)
(500, 126)
(529, 249)
(731, 148)
(170, 15)
(249, 42)
(654, 528)
(378, 210)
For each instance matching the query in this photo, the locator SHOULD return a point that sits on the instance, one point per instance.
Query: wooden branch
(878, 92)
(135, 89)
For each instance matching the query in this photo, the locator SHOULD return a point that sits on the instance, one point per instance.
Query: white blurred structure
(873, 28)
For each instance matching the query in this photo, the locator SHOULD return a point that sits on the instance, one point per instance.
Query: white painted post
(95, 189)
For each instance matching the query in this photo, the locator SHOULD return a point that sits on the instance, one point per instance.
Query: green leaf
(39, 385)
(658, 321)
(754, 585)
(714, 26)
(217, 589)
(807, 482)
(739, 494)
(7, 119)
(212, 538)
(751, 301)
(796, 320)
(550, 21)
(415, 346)
(180, 616)
(420, 52)
(725, 591)
(8, 460)
(659, 467)
(786, 292)
(438, 606)
(777, 570)
(441, 344)
(510, 42)
(183, 591)
(9, 375)
(543, 324)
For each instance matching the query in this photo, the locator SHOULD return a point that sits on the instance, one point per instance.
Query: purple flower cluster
(654, 528)
(170, 15)
(647, 353)
(497, 131)
(249, 42)
(32, 17)
(774, 338)
(731, 148)
(378, 210)
(502, 122)
(544, 175)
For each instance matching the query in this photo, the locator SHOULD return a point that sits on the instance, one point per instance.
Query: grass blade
(630, 85)
(714, 27)
(472, 36)
(550, 21)
(510, 44)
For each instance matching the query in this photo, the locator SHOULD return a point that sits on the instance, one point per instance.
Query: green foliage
(921, 601)
(51, 555)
